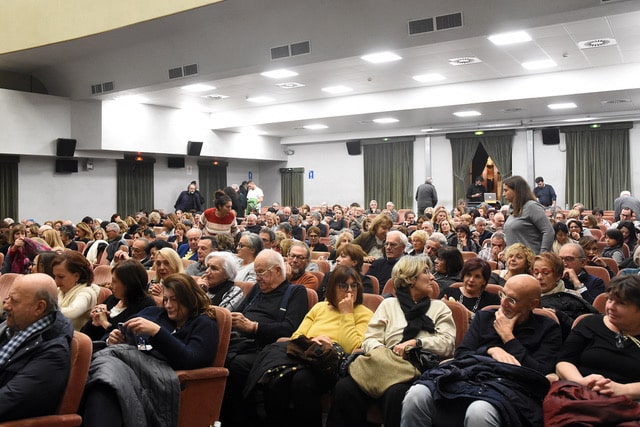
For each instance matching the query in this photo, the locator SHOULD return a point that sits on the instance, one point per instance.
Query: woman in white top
(248, 248)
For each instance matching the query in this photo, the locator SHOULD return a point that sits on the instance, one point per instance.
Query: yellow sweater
(345, 329)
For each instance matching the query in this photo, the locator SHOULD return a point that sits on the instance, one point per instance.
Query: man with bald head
(34, 349)
(512, 335)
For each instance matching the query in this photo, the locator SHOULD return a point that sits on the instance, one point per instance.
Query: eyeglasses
(242, 245)
(510, 300)
(543, 272)
(346, 286)
(298, 257)
(263, 273)
(570, 258)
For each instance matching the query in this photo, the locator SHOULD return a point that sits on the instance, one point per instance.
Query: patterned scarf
(17, 339)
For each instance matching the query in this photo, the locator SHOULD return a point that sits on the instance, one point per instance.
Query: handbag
(421, 358)
(379, 369)
(569, 403)
(324, 359)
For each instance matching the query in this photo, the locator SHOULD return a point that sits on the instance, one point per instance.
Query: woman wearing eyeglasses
(410, 319)
(602, 354)
(341, 319)
(247, 250)
(548, 269)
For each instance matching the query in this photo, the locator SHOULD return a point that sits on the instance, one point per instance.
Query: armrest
(66, 420)
(201, 374)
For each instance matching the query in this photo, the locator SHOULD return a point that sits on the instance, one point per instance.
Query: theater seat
(67, 411)
(203, 389)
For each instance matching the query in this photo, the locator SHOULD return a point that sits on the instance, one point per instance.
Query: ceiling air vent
(101, 88)
(280, 52)
(184, 71)
(421, 26)
(592, 44)
(616, 101)
(445, 22)
(300, 48)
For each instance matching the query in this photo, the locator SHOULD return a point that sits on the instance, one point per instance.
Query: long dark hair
(522, 193)
(134, 277)
(189, 295)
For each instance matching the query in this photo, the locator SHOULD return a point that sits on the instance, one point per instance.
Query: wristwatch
(418, 343)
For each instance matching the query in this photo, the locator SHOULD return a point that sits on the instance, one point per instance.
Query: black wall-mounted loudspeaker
(65, 147)
(175, 162)
(194, 148)
(551, 136)
(66, 166)
(354, 148)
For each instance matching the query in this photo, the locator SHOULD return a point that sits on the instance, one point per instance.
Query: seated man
(512, 335)
(394, 247)
(495, 251)
(189, 250)
(34, 349)
(297, 262)
(206, 245)
(272, 309)
(575, 276)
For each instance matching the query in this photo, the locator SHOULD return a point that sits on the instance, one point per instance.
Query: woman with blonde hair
(166, 262)
(518, 260)
(84, 233)
(52, 237)
(344, 238)
(372, 241)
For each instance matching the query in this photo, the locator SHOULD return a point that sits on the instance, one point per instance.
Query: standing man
(426, 196)
(34, 349)
(475, 192)
(189, 200)
(544, 193)
(626, 200)
(256, 194)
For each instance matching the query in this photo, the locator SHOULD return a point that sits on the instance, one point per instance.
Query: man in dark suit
(575, 276)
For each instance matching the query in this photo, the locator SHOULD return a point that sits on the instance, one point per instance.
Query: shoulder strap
(285, 302)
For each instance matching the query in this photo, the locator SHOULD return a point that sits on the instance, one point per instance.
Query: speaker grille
(175, 73)
(420, 26)
(107, 87)
(190, 70)
(280, 52)
(300, 48)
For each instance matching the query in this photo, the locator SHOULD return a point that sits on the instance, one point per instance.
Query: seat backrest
(365, 268)
(104, 294)
(324, 266)
(223, 317)
(467, 255)
(375, 284)
(80, 360)
(372, 301)
(611, 263)
(600, 303)
(579, 319)
(319, 275)
(389, 288)
(599, 272)
(312, 297)
(319, 255)
(245, 286)
(101, 274)
(596, 233)
(81, 245)
(6, 281)
(460, 318)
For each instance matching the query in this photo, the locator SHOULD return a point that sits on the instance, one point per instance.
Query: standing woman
(221, 218)
(528, 222)
(128, 284)
(76, 296)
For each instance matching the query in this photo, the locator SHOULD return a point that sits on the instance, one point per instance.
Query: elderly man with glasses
(394, 247)
(575, 276)
(297, 262)
(496, 393)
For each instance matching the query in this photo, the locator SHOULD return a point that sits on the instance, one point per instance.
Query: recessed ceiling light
(509, 38)
(464, 60)
(289, 85)
(562, 106)
(580, 119)
(430, 77)
(385, 120)
(539, 65)
(591, 44)
(198, 87)
(337, 89)
(380, 57)
(429, 130)
(279, 74)
(315, 127)
(470, 113)
(260, 99)
(133, 99)
(215, 97)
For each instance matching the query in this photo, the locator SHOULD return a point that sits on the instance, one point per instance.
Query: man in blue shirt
(544, 193)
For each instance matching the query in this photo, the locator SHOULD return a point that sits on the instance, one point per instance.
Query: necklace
(475, 307)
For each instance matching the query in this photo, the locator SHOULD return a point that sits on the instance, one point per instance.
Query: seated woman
(449, 262)
(576, 229)
(613, 239)
(629, 234)
(519, 261)
(84, 233)
(410, 319)
(166, 261)
(313, 233)
(248, 248)
(22, 251)
(179, 235)
(446, 228)
(217, 280)
(42, 262)
(548, 269)
(341, 319)
(125, 385)
(349, 255)
(96, 247)
(77, 295)
(475, 275)
(372, 240)
(465, 241)
(561, 236)
(418, 241)
(602, 353)
(590, 222)
(128, 284)
(591, 251)
(52, 237)
(337, 223)
(344, 238)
